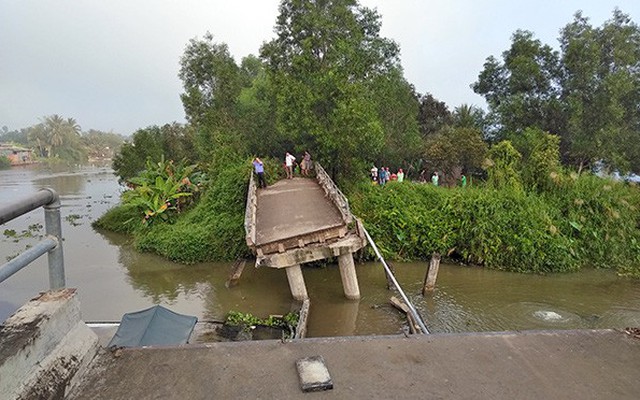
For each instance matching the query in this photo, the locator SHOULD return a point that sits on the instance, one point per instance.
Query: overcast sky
(113, 65)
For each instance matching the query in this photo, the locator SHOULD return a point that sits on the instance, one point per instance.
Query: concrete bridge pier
(296, 282)
(349, 277)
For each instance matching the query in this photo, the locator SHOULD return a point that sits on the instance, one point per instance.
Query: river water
(112, 278)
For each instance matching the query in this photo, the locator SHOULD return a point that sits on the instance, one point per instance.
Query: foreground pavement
(594, 364)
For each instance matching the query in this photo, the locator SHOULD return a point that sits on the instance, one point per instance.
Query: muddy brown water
(112, 278)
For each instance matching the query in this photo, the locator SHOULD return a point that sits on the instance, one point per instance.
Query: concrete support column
(349, 277)
(296, 282)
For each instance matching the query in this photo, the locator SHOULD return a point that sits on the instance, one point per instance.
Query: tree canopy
(323, 63)
(587, 94)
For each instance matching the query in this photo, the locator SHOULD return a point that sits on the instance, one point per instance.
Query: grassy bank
(213, 230)
(576, 223)
(581, 222)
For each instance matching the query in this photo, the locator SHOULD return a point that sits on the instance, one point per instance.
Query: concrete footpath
(600, 364)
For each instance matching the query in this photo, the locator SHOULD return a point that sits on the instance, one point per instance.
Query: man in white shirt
(288, 162)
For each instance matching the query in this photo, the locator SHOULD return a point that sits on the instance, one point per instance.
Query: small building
(17, 155)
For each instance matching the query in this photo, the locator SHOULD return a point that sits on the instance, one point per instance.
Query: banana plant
(156, 200)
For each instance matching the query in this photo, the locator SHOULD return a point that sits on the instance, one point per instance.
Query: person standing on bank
(400, 175)
(288, 163)
(434, 179)
(259, 168)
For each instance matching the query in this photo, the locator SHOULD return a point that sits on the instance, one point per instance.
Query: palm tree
(55, 127)
(37, 134)
(73, 126)
(468, 116)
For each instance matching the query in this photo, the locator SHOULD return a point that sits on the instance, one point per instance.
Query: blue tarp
(155, 326)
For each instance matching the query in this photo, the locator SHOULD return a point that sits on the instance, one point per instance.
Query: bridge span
(300, 220)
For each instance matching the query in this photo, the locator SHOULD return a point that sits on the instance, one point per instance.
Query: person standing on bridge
(306, 163)
(288, 163)
(259, 168)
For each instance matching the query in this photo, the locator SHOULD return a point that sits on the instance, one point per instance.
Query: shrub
(5, 163)
(581, 222)
(122, 218)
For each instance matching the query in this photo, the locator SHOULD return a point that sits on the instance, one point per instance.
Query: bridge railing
(51, 244)
(250, 213)
(334, 193)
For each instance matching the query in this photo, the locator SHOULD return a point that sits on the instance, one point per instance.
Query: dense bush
(586, 221)
(601, 218)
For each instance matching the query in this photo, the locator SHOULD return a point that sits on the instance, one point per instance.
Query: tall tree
(601, 89)
(588, 94)
(321, 63)
(397, 107)
(454, 151)
(523, 90)
(55, 127)
(170, 141)
(468, 116)
(211, 81)
(433, 115)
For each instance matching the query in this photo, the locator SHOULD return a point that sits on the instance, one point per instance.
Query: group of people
(383, 175)
(289, 164)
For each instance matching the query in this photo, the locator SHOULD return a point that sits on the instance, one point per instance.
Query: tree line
(330, 84)
(59, 138)
(587, 94)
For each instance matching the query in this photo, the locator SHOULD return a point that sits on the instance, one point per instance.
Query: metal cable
(414, 312)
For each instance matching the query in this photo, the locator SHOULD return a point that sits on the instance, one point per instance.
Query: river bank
(113, 279)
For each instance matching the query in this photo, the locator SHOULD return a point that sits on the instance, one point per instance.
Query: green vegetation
(57, 139)
(330, 84)
(586, 94)
(33, 230)
(577, 224)
(236, 318)
(154, 144)
(72, 219)
(4, 162)
(211, 230)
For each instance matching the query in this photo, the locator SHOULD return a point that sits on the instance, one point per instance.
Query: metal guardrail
(334, 193)
(51, 245)
(250, 213)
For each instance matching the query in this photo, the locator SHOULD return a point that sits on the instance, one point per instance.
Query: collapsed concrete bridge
(299, 220)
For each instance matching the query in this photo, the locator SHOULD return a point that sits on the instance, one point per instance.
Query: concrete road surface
(602, 364)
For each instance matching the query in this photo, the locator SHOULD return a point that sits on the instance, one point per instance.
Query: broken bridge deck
(293, 213)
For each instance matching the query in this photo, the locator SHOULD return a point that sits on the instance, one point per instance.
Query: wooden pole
(301, 329)
(432, 274)
(236, 272)
(413, 326)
